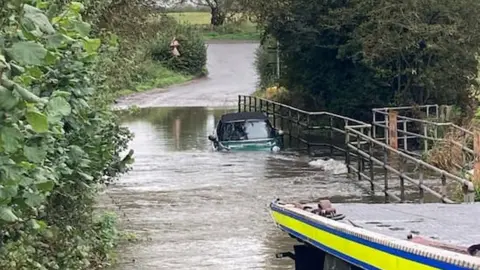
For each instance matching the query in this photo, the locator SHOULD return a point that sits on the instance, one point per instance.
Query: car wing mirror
(212, 138)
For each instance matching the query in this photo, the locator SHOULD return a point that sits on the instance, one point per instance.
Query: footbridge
(428, 219)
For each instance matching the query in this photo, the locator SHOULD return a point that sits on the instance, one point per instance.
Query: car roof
(239, 116)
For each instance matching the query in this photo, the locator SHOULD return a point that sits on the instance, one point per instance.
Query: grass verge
(240, 30)
(156, 76)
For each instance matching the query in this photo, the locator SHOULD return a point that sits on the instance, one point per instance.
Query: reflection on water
(207, 210)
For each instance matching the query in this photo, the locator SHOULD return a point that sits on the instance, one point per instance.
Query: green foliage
(349, 56)
(58, 140)
(265, 63)
(193, 53)
(130, 68)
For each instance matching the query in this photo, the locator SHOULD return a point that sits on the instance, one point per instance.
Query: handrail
(462, 181)
(302, 124)
(425, 135)
(302, 111)
(405, 107)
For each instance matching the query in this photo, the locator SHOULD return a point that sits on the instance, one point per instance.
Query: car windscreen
(246, 130)
(257, 130)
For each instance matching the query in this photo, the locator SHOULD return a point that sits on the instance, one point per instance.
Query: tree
(349, 56)
(220, 10)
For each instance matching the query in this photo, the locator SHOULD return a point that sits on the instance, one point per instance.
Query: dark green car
(249, 131)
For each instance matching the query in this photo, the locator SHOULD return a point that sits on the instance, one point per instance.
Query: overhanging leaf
(55, 41)
(51, 58)
(35, 154)
(6, 214)
(10, 137)
(33, 199)
(7, 192)
(34, 224)
(77, 7)
(38, 121)
(59, 106)
(86, 176)
(7, 99)
(27, 53)
(91, 45)
(82, 28)
(45, 186)
(3, 62)
(36, 16)
(59, 93)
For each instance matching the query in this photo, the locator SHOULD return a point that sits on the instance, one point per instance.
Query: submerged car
(246, 131)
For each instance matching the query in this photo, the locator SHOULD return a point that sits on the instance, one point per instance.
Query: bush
(265, 63)
(131, 67)
(59, 142)
(193, 52)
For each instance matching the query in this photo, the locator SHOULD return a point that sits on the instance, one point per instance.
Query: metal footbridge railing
(397, 172)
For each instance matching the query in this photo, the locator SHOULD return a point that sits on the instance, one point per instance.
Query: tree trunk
(218, 18)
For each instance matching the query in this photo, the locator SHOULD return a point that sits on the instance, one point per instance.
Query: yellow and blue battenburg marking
(355, 250)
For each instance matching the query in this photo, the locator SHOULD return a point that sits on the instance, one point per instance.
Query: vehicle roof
(239, 116)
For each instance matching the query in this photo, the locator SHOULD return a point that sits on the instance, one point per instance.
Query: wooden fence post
(476, 153)
(392, 129)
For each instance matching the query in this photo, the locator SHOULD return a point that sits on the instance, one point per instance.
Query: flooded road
(201, 209)
(193, 208)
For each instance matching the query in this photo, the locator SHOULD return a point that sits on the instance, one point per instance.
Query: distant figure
(235, 131)
(240, 133)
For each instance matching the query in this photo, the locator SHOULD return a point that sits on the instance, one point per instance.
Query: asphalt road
(231, 72)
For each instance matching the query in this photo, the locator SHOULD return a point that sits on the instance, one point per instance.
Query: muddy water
(198, 209)
(193, 208)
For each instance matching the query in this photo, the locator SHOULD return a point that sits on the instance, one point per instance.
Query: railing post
(425, 133)
(280, 114)
(385, 129)
(244, 103)
(420, 181)
(347, 149)
(405, 138)
(256, 104)
(290, 121)
(359, 159)
(362, 131)
(297, 122)
(374, 124)
(402, 180)
(444, 187)
(308, 134)
(331, 135)
(372, 173)
(392, 129)
(385, 172)
(239, 103)
(268, 113)
(476, 158)
(274, 114)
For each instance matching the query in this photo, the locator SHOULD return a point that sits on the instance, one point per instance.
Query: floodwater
(193, 208)
(200, 209)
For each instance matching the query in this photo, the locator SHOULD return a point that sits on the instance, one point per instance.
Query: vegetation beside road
(61, 64)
